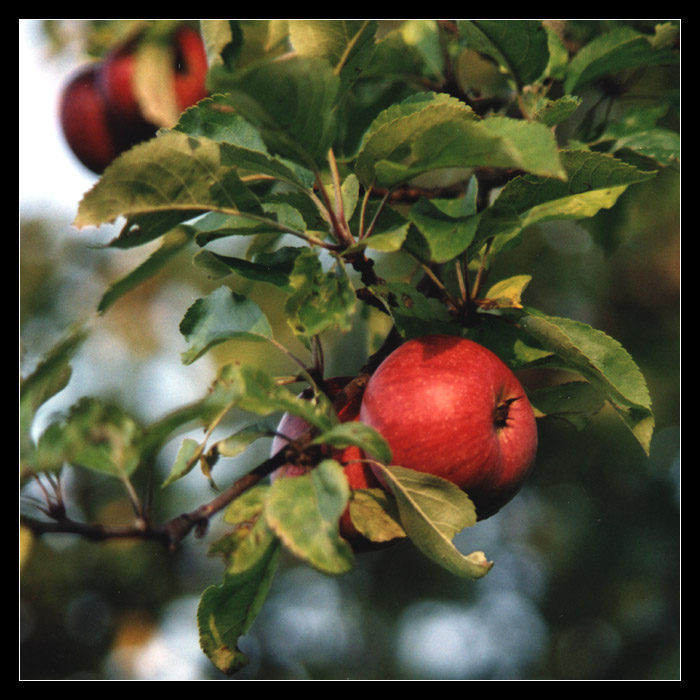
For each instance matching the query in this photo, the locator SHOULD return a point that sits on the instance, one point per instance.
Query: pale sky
(49, 176)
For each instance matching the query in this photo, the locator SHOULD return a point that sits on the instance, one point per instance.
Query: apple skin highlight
(450, 407)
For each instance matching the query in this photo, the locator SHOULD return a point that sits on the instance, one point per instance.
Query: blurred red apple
(450, 407)
(83, 117)
(117, 83)
(190, 68)
(100, 113)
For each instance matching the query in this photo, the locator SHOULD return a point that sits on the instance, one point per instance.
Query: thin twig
(456, 303)
(377, 214)
(325, 205)
(460, 268)
(363, 210)
(344, 231)
(482, 270)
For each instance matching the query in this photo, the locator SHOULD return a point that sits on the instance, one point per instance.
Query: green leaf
(375, 515)
(529, 146)
(242, 439)
(215, 118)
(520, 47)
(558, 56)
(347, 45)
(322, 300)
(251, 536)
(304, 512)
(511, 343)
(227, 611)
(283, 212)
(253, 390)
(289, 102)
(49, 378)
(95, 435)
(433, 511)
(350, 194)
(241, 144)
(222, 38)
(389, 231)
(507, 294)
(384, 242)
(431, 132)
(199, 413)
(554, 112)
(574, 402)
(172, 175)
(603, 362)
(218, 317)
(594, 181)
(274, 268)
(446, 235)
(186, 458)
(173, 243)
(610, 53)
(144, 228)
(400, 52)
(413, 313)
(251, 552)
(358, 434)
(390, 134)
(637, 132)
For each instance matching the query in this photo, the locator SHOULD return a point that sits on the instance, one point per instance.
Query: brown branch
(171, 533)
(94, 531)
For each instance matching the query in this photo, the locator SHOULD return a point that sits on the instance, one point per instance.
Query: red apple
(117, 83)
(450, 407)
(83, 117)
(100, 113)
(190, 68)
(358, 473)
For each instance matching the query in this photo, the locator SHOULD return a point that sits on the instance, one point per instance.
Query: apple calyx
(500, 419)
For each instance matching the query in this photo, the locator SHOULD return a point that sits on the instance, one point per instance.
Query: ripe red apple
(450, 407)
(117, 83)
(100, 114)
(83, 118)
(359, 474)
(189, 70)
